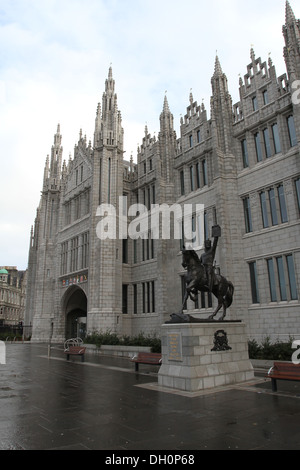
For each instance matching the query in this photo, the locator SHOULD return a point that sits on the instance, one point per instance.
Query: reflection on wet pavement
(49, 403)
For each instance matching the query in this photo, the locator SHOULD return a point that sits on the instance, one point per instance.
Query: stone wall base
(204, 355)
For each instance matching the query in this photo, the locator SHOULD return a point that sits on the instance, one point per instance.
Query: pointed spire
(57, 137)
(110, 83)
(218, 68)
(166, 108)
(291, 33)
(166, 117)
(252, 54)
(289, 14)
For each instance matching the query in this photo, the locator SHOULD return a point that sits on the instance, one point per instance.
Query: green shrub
(109, 338)
(271, 351)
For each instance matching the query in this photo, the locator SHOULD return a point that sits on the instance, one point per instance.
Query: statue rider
(207, 258)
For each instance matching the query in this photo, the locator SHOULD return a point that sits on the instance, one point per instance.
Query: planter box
(118, 350)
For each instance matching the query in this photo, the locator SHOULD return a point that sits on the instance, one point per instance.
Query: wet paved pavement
(48, 404)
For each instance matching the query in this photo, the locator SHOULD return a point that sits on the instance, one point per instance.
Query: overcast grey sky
(55, 56)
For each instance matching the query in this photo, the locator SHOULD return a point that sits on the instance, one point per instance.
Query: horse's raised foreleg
(190, 291)
(194, 294)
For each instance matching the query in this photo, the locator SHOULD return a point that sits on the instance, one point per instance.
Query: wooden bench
(283, 371)
(74, 347)
(146, 358)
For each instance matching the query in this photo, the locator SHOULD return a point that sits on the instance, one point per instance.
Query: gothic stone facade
(243, 164)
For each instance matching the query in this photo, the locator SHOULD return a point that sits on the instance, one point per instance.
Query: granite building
(12, 295)
(242, 163)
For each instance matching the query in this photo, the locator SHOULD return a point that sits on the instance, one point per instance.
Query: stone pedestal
(202, 356)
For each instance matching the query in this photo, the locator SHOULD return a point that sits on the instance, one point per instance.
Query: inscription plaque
(174, 347)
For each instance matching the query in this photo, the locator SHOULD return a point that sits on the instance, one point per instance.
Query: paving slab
(49, 403)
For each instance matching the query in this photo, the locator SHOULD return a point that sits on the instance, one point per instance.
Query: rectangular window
(182, 182)
(267, 142)
(254, 282)
(245, 153)
(85, 251)
(272, 282)
(264, 210)
(74, 254)
(149, 198)
(275, 132)
(198, 175)
(125, 250)
(247, 214)
(153, 295)
(64, 258)
(273, 207)
(258, 147)
(77, 207)
(153, 195)
(297, 184)
(124, 299)
(191, 140)
(135, 299)
(202, 297)
(192, 178)
(282, 204)
(148, 297)
(292, 277)
(204, 171)
(198, 136)
(281, 278)
(254, 103)
(144, 296)
(266, 97)
(206, 234)
(292, 131)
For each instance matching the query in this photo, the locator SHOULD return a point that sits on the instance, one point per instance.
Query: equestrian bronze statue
(201, 276)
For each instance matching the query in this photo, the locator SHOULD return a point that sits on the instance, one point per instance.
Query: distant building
(242, 164)
(12, 295)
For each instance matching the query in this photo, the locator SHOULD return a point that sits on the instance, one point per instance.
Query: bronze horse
(196, 280)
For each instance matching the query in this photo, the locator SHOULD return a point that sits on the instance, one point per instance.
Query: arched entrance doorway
(75, 308)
